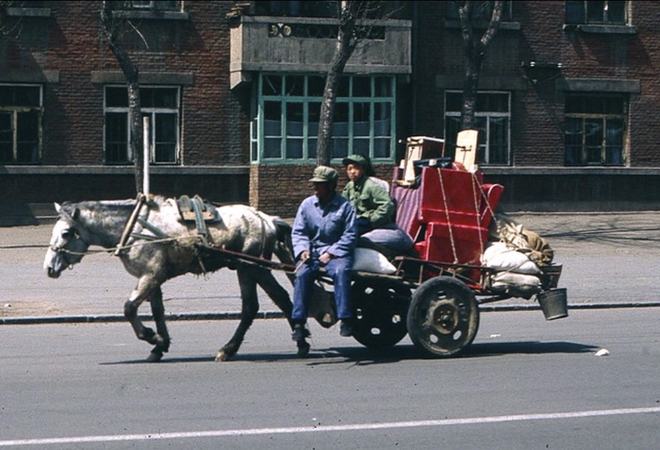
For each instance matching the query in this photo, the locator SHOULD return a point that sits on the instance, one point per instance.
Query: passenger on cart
(374, 208)
(324, 236)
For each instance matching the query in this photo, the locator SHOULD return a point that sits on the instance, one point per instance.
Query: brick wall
(278, 190)
(214, 118)
(537, 135)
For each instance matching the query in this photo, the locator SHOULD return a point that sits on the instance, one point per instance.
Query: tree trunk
(343, 49)
(131, 74)
(470, 85)
(474, 50)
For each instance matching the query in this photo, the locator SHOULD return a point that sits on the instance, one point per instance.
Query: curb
(107, 318)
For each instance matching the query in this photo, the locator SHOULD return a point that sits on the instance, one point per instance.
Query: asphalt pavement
(609, 259)
(523, 384)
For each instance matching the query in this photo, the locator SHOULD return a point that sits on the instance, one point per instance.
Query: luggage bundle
(518, 256)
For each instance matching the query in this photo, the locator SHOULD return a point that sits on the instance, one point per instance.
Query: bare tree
(349, 34)
(9, 27)
(113, 29)
(474, 50)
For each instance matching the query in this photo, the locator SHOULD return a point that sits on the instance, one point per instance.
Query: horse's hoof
(222, 356)
(154, 356)
(303, 349)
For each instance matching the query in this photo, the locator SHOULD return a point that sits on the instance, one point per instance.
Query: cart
(434, 296)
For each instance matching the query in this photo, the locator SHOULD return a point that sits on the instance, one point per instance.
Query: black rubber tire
(443, 317)
(379, 314)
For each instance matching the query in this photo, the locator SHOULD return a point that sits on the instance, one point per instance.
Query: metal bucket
(553, 303)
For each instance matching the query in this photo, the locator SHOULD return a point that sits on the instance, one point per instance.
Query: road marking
(331, 428)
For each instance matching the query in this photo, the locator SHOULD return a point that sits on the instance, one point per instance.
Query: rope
(9, 247)
(451, 233)
(485, 197)
(125, 247)
(476, 211)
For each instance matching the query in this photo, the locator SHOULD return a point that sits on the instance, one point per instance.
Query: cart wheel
(379, 314)
(443, 317)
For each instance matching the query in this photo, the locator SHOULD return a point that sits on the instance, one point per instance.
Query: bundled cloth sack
(505, 229)
(515, 284)
(369, 260)
(516, 274)
(502, 257)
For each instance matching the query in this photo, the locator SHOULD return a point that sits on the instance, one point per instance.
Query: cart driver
(323, 236)
(374, 208)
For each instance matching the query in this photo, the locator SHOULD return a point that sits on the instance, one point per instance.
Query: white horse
(239, 228)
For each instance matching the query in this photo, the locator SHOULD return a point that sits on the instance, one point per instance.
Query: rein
(122, 247)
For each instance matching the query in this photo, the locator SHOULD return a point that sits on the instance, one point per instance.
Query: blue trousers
(340, 271)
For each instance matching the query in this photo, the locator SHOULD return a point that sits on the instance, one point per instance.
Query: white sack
(516, 284)
(502, 258)
(369, 260)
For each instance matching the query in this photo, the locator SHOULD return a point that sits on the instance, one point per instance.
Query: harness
(191, 210)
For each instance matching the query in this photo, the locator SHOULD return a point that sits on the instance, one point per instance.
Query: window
(20, 123)
(596, 12)
(286, 120)
(161, 105)
(594, 130)
(493, 116)
(481, 11)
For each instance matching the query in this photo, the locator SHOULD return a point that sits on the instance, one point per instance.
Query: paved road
(608, 258)
(524, 384)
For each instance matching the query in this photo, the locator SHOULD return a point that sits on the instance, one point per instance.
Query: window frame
(257, 140)
(14, 111)
(487, 115)
(151, 112)
(603, 117)
(584, 8)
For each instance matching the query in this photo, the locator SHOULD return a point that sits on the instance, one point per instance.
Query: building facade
(567, 102)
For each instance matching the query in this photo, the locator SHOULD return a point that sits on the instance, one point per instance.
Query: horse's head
(66, 246)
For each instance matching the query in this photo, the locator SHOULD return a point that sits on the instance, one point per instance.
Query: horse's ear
(58, 207)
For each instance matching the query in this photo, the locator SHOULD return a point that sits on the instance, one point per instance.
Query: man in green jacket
(374, 208)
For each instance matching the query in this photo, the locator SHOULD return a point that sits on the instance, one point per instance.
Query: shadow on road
(526, 347)
(611, 232)
(360, 356)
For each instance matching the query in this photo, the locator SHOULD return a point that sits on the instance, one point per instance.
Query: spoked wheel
(379, 314)
(443, 317)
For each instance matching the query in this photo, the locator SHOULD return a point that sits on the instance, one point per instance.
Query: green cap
(361, 161)
(324, 174)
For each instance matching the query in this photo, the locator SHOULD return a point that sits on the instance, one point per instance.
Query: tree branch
(493, 25)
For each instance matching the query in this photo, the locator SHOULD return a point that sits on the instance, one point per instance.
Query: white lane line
(330, 428)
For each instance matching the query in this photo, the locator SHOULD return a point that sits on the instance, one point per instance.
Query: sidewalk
(608, 260)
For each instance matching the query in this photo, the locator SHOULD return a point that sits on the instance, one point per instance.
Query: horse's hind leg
(281, 298)
(249, 309)
(162, 337)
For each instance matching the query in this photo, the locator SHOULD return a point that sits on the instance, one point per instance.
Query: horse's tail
(283, 246)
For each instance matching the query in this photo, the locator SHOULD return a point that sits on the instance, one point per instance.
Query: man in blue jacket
(324, 236)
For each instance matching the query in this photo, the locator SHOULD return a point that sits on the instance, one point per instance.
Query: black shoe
(299, 332)
(346, 328)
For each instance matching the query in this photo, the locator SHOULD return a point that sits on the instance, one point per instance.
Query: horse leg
(162, 337)
(142, 291)
(281, 298)
(249, 309)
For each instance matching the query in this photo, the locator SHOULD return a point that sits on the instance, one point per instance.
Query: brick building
(567, 106)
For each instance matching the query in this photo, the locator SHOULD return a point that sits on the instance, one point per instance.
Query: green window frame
(284, 126)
